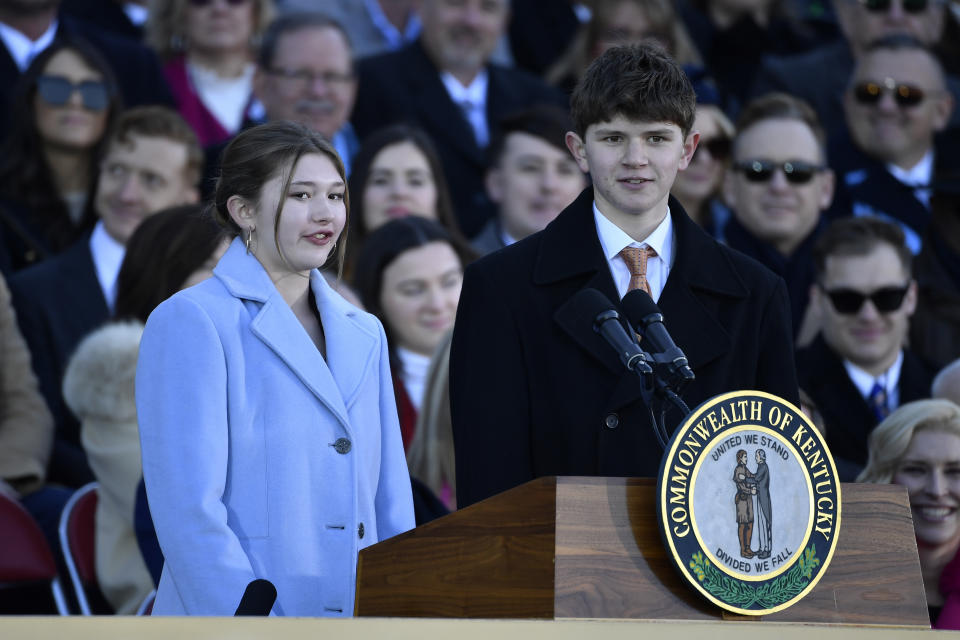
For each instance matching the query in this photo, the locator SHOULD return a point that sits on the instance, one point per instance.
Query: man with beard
(445, 84)
(27, 27)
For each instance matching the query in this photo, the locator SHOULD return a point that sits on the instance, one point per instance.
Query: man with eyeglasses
(859, 369)
(895, 105)
(777, 186)
(305, 73)
(820, 76)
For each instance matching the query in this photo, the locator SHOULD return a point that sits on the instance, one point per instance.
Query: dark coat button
(612, 421)
(342, 445)
(360, 530)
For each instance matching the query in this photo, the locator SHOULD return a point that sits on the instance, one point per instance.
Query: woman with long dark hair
(63, 107)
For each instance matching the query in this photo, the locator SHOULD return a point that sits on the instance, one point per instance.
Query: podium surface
(575, 547)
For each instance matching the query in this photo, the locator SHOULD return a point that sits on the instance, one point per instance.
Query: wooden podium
(576, 547)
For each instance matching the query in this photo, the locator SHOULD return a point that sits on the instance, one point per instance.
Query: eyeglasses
(882, 6)
(56, 91)
(906, 95)
(796, 171)
(850, 301)
(718, 147)
(304, 76)
(207, 3)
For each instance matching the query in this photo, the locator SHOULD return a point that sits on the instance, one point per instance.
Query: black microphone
(606, 321)
(258, 599)
(645, 315)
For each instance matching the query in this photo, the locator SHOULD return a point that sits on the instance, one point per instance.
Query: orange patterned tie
(636, 260)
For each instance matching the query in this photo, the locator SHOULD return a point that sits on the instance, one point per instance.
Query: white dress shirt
(613, 239)
(918, 177)
(107, 258)
(474, 95)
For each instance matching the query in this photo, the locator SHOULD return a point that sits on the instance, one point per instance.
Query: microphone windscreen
(258, 599)
(638, 304)
(590, 303)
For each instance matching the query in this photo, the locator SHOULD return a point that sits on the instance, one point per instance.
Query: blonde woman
(208, 48)
(918, 446)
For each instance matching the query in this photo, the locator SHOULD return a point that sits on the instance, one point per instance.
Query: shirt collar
(613, 239)
(864, 381)
(917, 176)
(475, 93)
(390, 33)
(22, 49)
(107, 257)
(137, 14)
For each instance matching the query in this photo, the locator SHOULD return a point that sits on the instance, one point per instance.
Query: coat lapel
(274, 323)
(571, 252)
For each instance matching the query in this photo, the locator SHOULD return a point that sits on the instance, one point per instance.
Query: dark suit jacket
(58, 302)
(796, 269)
(866, 188)
(846, 415)
(136, 67)
(106, 14)
(535, 391)
(405, 86)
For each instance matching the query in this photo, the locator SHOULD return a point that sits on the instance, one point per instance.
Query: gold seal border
(676, 439)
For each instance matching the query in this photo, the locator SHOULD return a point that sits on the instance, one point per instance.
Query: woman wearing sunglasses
(63, 106)
(698, 186)
(208, 47)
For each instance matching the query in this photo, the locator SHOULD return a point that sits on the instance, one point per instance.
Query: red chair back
(24, 553)
(81, 527)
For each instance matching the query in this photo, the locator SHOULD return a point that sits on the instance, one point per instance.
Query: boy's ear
(689, 147)
(577, 148)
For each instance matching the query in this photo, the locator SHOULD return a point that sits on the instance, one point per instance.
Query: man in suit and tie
(534, 390)
(152, 161)
(895, 104)
(859, 369)
(445, 83)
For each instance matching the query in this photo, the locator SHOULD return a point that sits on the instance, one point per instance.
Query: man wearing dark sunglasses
(777, 186)
(820, 76)
(859, 369)
(895, 104)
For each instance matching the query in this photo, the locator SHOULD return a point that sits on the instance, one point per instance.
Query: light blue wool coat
(239, 415)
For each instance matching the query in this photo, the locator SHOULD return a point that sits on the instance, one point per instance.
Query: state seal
(749, 502)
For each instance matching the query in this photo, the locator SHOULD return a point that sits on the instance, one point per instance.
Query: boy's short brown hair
(639, 82)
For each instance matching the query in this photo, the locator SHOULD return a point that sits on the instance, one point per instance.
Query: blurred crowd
(829, 151)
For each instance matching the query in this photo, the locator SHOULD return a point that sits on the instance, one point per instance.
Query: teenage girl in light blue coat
(269, 434)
